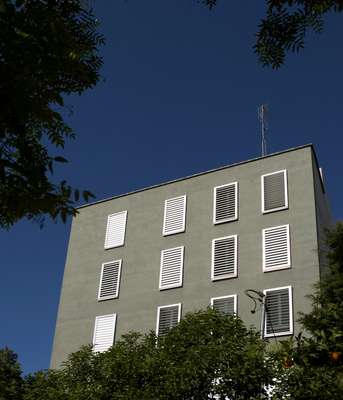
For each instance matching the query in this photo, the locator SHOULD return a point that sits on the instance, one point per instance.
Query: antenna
(262, 113)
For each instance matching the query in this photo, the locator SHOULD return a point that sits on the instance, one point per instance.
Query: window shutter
(225, 203)
(174, 215)
(104, 332)
(276, 248)
(115, 231)
(224, 257)
(167, 318)
(171, 270)
(278, 311)
(226, 305)
(274, 191)
(109, 280)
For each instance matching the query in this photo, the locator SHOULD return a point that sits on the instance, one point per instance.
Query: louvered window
(115, 231)
(276, 248)
(171, 270)
(274, 191)
(226, 305)
(104, 332)
(225, 203)
(224, 257)
(278, 318)
(174, 215)
(167, 318)
(109, 280)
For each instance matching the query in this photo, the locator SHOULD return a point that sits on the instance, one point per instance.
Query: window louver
(274, 191)
(109, 280)
(174, 215)
(276, 248)
(171, 271)
(104, 332)
(225, 203)
(224, 257)
(278, 312)
(225, 305)
(115, 231)
(167, 318)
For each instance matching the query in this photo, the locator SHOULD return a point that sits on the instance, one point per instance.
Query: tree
(285, 26)
(11, 382)
(48, 50)
(314, 362)
(208, 355)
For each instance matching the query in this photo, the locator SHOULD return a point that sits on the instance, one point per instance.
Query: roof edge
(202, 173)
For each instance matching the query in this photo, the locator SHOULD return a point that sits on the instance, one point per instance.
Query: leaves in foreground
(48, 50)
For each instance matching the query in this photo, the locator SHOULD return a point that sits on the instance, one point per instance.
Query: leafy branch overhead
(48, 50)
(285, 26)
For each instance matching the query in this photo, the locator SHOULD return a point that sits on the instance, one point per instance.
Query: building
(141, 260)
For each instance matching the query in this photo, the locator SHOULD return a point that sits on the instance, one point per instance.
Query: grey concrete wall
(139, 296)
(323, 215)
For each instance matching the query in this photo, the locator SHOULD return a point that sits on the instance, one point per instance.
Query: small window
(274, 191)
(225, 207)
(226, 305)
(109, 280)
(104, 332)
(224, 258)
(171, 269)
(115, 231)
(276, 248)
(174, 215)
(278, 318)
(167, 317)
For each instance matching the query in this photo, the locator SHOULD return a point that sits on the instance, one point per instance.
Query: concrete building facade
(142, 260)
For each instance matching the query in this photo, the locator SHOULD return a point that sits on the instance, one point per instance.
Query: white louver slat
(174, 215)
(109, 280)
(115, 230)
(224, 257)
(274, 191)
(226, 305)
(225, 203)
(171, 269)
(167, 318)
(276, 248)
(278, 311)
(104, 332)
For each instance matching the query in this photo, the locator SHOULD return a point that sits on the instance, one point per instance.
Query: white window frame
(285, 189)
(181, 269)
(107, 228)
(225, 297)
(290, 332)
(158, 314)
(118, 282)
(215, 222)
(184, 196)
(95, 326)
(279, 267)
(235, 274)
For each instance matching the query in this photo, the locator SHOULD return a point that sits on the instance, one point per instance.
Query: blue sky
(180, 91)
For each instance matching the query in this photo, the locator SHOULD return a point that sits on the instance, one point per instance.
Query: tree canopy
(48, 50)
(285, 26)
(314, 360)
(208, 355)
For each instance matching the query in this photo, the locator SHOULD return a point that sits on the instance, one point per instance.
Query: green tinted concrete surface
(139, 294)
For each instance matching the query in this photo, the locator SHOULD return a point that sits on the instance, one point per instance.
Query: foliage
(207, 354)
(285, 26)
(314, 363)
(48, 50)
(10, 376)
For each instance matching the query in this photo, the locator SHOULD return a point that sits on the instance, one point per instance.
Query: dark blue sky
(180, 94)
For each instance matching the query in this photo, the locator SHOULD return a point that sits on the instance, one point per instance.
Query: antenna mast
(262, 113)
